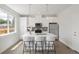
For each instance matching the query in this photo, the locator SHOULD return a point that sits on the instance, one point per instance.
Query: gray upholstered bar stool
(49, 45)
(28, 44)
(40, 43)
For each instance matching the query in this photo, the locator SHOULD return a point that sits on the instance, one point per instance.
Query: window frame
(8, 32)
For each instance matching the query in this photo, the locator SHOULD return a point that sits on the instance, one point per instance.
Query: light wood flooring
(60, 49)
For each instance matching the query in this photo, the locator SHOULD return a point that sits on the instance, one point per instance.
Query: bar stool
(28, 46)
(49, 46)
(39, 46)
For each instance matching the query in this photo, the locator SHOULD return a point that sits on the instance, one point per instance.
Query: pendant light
(28, 27)
(44, 15)
(48, 15)
(29, 16)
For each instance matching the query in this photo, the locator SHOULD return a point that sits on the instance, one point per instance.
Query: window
(11, 20)
(7, 23)
(3, 23)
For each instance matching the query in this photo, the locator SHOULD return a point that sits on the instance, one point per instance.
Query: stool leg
(23, 48)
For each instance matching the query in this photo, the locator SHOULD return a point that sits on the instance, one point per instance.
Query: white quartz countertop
(48, 36)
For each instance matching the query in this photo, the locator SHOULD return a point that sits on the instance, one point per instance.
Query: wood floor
(63, 49)
(60, 49)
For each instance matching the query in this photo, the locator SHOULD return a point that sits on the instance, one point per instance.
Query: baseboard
(65, 44)
(10, 47)
(76, 51)
(69, 47)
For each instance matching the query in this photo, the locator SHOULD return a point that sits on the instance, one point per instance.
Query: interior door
(54, 29)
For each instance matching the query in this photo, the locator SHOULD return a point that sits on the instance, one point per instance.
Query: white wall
(69, 25)
(8, 40)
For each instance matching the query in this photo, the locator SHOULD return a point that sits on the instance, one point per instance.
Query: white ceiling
(25, 9)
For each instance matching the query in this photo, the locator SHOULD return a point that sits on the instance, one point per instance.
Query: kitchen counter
(48, 36)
